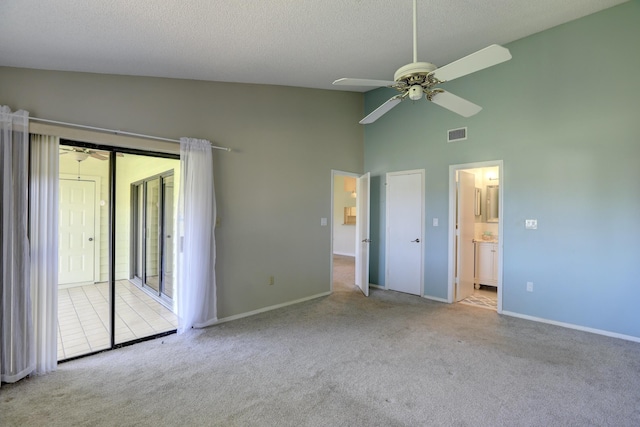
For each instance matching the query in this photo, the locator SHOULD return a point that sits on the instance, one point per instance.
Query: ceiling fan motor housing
(413, 69)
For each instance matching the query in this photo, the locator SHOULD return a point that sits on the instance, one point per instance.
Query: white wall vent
(459, 134)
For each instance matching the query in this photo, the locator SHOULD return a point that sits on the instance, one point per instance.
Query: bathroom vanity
(486, 263)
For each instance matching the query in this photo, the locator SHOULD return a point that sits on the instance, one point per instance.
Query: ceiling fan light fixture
(415, 92)
(79, 156)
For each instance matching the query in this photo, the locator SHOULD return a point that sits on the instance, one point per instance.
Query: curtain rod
(118, 132)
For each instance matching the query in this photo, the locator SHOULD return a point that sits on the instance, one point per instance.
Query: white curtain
(43, 197)
(196, 284)
(16, 349)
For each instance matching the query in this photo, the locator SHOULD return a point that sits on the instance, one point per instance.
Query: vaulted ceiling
(306, 43)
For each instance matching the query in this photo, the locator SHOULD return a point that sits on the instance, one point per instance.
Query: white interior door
(76, 253)
(362, 232)
(464, 234)
(405, 242)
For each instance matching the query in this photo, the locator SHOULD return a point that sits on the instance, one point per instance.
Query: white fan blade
(363, 82)
(456, 104)
(384, 108)
(477, 61)
(98, 156)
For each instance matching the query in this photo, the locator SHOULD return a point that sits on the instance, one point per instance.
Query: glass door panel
(144, 238)
(167, 235)
(83, 285)
(137, 229)
(152, 244)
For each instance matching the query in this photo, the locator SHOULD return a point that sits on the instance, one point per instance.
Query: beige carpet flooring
(346, 360)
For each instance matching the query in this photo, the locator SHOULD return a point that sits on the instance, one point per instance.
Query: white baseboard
(506, 313)
(436, 299)
(572, 326)
(75, 285)
(345, 254)
(260, 310)
(371, 285)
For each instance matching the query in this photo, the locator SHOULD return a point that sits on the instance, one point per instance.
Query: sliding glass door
(145, 206)
(117, 210)
(152, 206)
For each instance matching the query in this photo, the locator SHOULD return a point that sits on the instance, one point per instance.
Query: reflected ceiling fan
(418, 78)
(80, 154)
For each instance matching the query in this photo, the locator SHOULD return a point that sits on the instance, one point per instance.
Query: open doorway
(350, 232)
(344, 222)
(475, 256)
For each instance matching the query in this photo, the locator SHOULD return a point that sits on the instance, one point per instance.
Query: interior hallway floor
(83, 317)
(344, 273)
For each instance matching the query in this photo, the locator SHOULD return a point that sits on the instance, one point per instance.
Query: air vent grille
(459, 134)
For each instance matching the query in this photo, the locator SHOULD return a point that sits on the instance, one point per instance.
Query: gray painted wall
(563, 114)
(271, 191)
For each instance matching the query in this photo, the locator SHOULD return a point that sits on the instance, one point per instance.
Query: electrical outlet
(529, 286)
(272, 280)
(531, 224)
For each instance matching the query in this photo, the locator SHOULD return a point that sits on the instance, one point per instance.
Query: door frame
(334, 173)
(422, 173)
(96, 221)
(452, 224)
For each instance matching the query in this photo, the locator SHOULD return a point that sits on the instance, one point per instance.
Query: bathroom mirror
(492, 203)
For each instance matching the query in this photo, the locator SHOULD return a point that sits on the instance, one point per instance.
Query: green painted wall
(564, 115)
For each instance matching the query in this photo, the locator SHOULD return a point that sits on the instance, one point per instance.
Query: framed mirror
(492, 203)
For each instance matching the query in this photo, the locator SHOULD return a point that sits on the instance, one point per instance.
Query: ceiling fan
(418, 78)
(81, 154)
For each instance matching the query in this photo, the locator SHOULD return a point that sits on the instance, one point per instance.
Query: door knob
(91, 239)
(366, 241)
(415, 241)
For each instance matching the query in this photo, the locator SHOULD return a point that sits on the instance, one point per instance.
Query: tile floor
(485, 297)
(83, 317)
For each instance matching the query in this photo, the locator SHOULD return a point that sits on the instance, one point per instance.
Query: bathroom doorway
(475, 234)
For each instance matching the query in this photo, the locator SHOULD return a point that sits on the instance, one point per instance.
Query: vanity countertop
(485, 241)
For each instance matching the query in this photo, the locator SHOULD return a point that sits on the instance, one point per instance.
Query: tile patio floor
(83, 317)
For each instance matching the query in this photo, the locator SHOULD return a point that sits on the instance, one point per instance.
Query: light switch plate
(323, 222)
(435, 222)
(531, 224)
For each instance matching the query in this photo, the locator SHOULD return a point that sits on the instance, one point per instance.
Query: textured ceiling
(306, 43)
